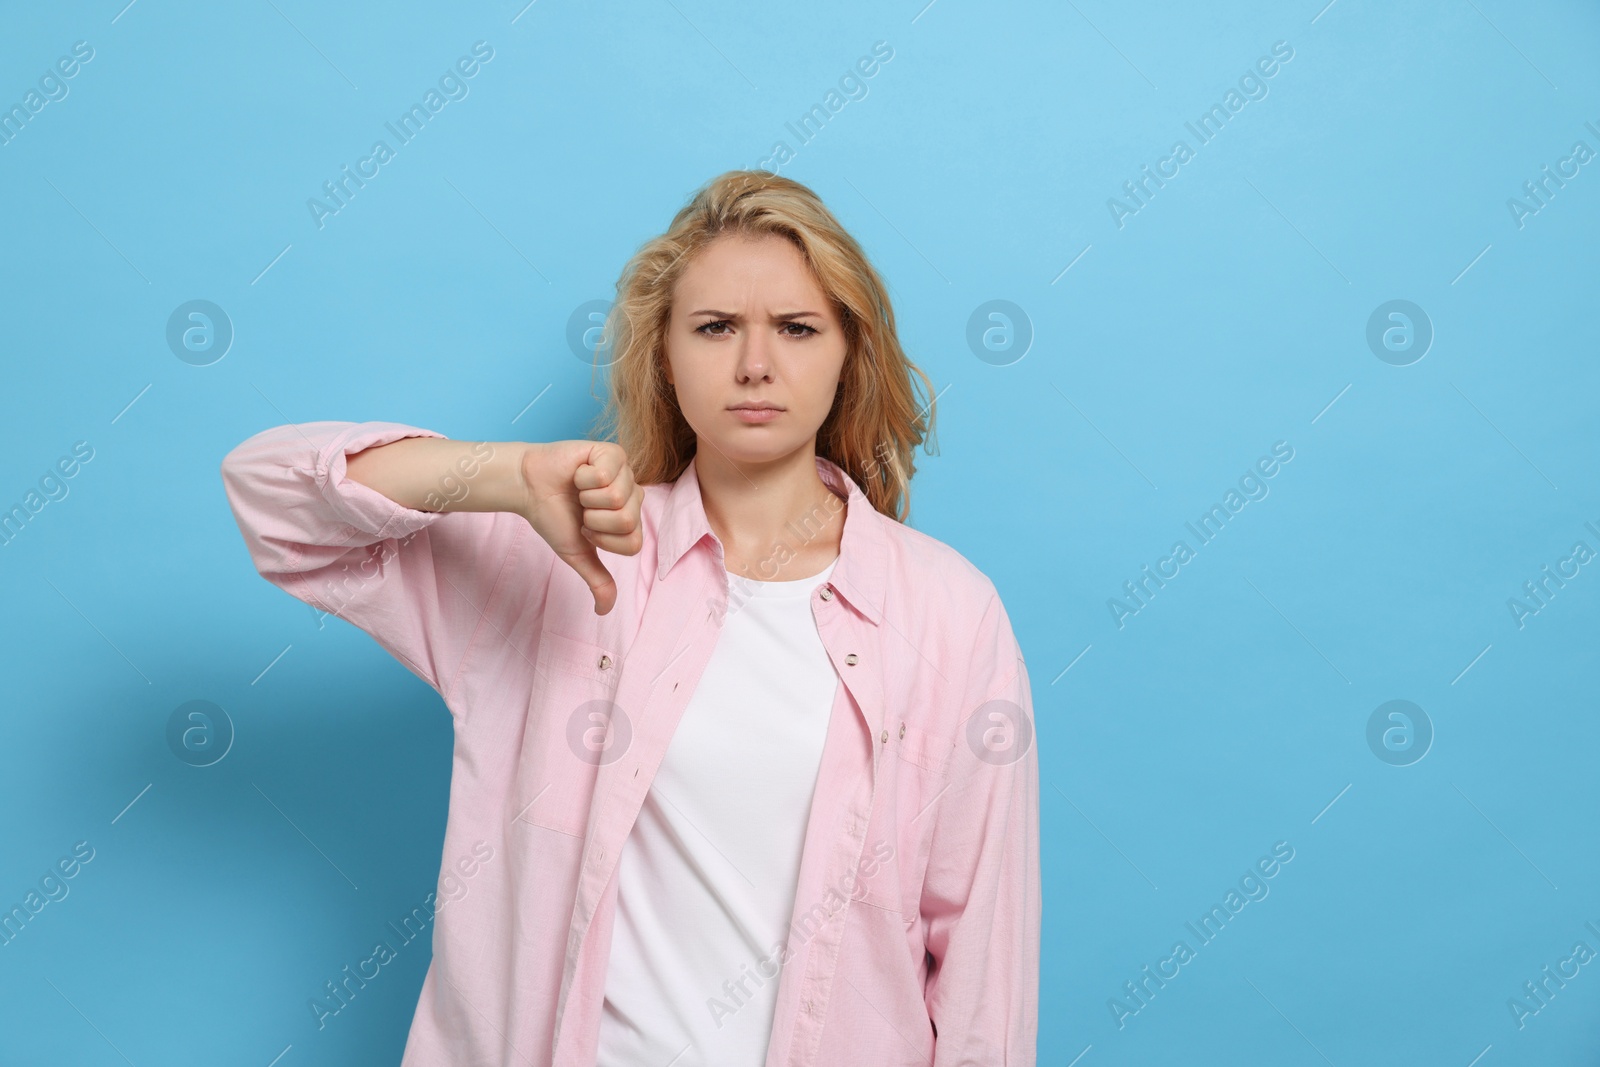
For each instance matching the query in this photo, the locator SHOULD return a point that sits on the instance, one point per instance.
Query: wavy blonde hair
(876, 421)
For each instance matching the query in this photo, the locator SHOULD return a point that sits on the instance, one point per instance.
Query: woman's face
(750, 325)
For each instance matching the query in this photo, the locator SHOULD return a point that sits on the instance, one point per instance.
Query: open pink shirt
(915, 936)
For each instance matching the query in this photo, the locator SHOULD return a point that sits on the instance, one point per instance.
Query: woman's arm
(438, 474)
(420, 581)
(981, 895)
(578, 496)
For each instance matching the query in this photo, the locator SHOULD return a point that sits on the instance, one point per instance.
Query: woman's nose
(754, 359)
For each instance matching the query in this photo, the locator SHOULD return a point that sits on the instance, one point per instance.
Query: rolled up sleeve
(980, 904)
(419, 582)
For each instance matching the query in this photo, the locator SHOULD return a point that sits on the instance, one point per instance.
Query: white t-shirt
(706, 880)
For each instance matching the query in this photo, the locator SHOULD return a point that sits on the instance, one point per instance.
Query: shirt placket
(660, 687)
(844, 638)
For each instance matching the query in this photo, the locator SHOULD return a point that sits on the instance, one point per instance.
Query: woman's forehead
(764, 275)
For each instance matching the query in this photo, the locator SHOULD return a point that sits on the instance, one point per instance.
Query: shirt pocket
(924, 749)
(914, 779)
(573, 727)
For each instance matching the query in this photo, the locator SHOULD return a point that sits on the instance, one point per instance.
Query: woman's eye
(714, 329)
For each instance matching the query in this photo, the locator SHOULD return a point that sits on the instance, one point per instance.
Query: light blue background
(1228, 314)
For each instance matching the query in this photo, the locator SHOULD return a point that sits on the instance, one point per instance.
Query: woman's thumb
(586, 562)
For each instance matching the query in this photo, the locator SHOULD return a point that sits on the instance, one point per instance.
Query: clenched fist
(581, 496)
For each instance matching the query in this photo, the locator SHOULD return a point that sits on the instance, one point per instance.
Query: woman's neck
(777, 521)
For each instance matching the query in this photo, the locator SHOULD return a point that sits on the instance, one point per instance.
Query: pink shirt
(915, 936)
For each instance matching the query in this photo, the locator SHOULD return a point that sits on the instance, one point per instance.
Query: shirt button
(885, 737)
(605, 663)
(827, 592)
(902, 729)
(851, 659)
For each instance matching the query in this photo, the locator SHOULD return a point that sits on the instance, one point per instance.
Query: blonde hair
(876, 421)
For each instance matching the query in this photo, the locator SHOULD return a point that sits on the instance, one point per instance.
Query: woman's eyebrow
(779, 317)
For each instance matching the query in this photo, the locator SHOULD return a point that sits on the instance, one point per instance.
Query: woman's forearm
(439, 474)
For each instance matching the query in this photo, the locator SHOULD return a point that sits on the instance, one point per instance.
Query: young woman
(744, 769)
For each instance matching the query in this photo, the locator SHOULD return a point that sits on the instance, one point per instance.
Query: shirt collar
(859, 574)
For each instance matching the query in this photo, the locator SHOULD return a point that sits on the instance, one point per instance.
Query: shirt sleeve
(419, 582)
(981, 895)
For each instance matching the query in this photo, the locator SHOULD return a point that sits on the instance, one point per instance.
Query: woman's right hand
(580, 496)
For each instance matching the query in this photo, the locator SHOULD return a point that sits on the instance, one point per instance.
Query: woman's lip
(755, 415)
